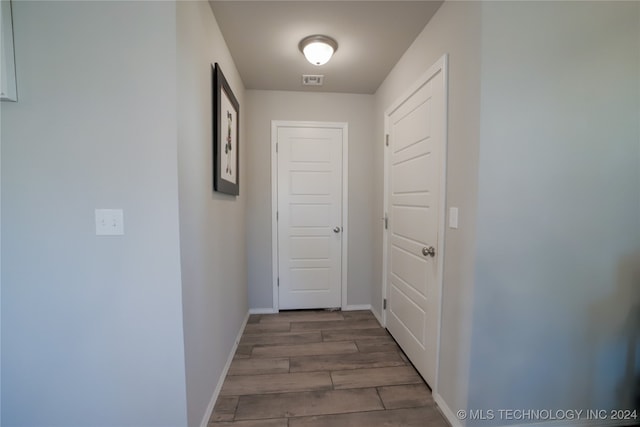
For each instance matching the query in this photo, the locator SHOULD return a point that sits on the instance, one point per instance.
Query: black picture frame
(226, 135)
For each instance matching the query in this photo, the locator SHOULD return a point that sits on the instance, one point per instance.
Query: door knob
(336, 230)
(430, 251)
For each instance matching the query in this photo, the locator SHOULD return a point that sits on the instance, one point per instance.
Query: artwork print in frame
(226, 142)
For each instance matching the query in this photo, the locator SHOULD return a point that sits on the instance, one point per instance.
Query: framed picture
(226, 141)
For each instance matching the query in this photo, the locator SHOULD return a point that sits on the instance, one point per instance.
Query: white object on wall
(8, 91)
(453, 217)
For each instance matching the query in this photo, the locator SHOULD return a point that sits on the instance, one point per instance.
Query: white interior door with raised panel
(415, 190)
(309, 216)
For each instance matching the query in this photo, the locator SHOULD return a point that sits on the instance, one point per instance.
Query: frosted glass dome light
(318, 49)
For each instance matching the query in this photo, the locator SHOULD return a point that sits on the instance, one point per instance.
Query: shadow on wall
(629, 389)
(616, 321)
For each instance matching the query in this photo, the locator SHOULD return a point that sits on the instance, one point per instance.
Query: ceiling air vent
(312, 79)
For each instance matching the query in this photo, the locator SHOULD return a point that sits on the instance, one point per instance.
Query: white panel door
(309, 217)
(415, 177)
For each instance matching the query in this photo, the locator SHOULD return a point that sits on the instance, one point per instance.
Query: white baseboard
(356, 307)
(446, 411)
(262, 311)
(223, 375)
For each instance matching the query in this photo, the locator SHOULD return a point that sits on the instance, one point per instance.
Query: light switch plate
(109, 222)
(453, 217)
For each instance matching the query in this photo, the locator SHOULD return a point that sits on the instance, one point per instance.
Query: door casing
(275, 124)
(440, 64)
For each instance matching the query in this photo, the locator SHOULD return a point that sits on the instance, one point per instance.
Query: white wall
(357, 110)
(558, 255)
(212, 225)
(91, 326)
(454, 29)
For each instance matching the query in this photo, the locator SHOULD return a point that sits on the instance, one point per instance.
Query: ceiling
(263, 38)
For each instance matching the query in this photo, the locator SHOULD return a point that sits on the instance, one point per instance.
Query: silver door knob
(336, 230)
(430, 251)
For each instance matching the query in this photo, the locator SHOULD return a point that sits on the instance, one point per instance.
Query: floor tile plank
(282, 338)
(259, 423)
(320, 348)
(243, 351)
(305, 316)
(239, 385)
(261, 328)
(405, 396)
(308, 403)
(225, 409)
(358, 314)
(414, 417)
(335, 324)
(345, 361)
(353, 334)
(375, 345)
(375, 377)
(254, 318)
(255, 366)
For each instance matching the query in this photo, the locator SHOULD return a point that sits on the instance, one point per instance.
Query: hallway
(322, 368)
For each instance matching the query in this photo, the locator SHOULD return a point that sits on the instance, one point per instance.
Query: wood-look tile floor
(322, 369)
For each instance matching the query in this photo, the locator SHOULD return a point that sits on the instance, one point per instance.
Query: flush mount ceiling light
(318, 49)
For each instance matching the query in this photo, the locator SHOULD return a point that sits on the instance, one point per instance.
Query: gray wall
(357, 110)
(212, 225)
(91, 326)
(558, 262)
(541, 280)
(454, 29)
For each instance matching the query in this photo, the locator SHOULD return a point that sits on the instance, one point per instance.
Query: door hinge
(386, 140)
(278, 282)
(384, 304)
(277, 215)
(386, 221)
(276, 147)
